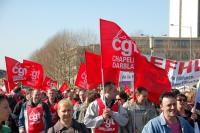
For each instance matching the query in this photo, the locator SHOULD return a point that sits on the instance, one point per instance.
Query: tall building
(184, 18)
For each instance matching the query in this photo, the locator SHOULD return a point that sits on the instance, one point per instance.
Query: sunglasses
(183, 100)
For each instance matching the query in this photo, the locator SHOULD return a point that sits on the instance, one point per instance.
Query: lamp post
(151, 44)
(190, 28)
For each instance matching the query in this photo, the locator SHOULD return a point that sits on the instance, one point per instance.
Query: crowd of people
(97, 111)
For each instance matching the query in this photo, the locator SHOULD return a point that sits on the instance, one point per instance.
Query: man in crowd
(104, 115)
(52, 103)
(78, 105)
(141, 109)
(16, 97)
(168, 121)
(35, 116)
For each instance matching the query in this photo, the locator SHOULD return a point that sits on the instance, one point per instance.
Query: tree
(62, 54)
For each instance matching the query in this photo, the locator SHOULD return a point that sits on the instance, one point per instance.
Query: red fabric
(9, 85)
(35, 119)
(117, 47)
(63, 87)
(81, 79)
(154, 79)
(109, 125)
(35, 73)
(15, 70)
(93, 68)
(127, 89)
(111, 75)
(49, 83)
(94, 74)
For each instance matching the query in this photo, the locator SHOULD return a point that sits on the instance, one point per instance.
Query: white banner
(126, 76)
(180, 73)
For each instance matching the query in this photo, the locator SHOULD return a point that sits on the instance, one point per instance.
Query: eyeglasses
(181, 100)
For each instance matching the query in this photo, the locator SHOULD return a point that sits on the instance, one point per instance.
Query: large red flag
(111, 75)
(35, 73)
(94, 71)
(117, 47)
(93, 68)
(15, 71)
(63, 87)
(154, 79)
(49, 83)
(81, 79)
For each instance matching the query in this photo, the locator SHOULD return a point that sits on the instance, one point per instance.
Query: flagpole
(103, 84)
(102, 75)
(133, 102)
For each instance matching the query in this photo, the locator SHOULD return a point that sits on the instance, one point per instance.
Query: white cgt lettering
(51, 84)
(19, 70)
(34, 116)
(124, 45)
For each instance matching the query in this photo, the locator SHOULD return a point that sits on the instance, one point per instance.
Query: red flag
(154, 79)
(9, 85)
(94, 74)
(34, 76)
(127, 89)
(111, 75)
(117, 47)
(93, 68)
(81, 79)
(64, 87)
(15, 71)
(49, 83)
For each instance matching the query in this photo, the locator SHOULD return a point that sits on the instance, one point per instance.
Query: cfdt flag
(151, 77)
(35, 73)
(117, 47)
(63, 87)
(49, 83)
(15, 71)
(81, 79)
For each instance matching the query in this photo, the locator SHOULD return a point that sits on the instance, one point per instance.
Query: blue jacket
(159, 125)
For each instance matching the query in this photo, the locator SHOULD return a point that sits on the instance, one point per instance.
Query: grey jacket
(140, 114)
(93, 120)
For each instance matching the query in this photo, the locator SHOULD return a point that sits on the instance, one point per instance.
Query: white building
(184, 18)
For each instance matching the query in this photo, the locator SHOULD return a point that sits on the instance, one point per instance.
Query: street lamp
(151, 42)
(190, 28)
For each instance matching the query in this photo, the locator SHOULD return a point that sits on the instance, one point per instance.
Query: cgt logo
(34, 116)
(109, 122)
(121, 43)
(35, 75)
(51, 84)
(17, 69)
(84, 77)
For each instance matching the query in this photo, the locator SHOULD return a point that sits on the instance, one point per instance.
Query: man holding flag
(104, 115)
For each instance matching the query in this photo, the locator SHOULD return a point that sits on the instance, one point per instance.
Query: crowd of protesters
(98, 111)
